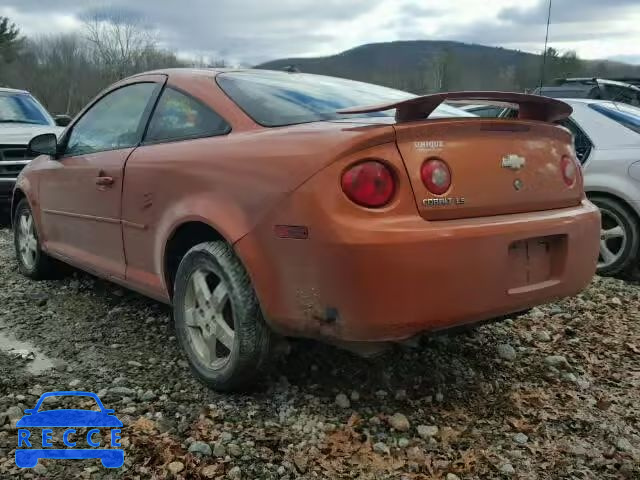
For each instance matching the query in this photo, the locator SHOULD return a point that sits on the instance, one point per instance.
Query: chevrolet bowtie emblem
(514, 162)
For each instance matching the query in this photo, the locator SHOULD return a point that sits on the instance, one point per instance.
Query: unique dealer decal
(429, 145)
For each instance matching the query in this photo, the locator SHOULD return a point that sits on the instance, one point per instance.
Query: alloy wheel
(209, 318)
(27, 240)
(613, 239)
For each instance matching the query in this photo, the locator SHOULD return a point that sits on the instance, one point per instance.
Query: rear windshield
(624, 114)
(565, 92)
(274, 99)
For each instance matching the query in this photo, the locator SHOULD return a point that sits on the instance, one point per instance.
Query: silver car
(607, 140)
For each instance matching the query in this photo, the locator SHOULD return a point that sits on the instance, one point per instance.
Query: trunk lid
(497, 166)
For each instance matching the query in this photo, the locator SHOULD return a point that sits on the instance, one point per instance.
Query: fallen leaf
(143, 425)
(520, 425)
(634, 348)
(603, 403)
(301, 460)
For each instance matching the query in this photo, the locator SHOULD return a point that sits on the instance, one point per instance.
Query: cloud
(593, 28)
(634, 59)
(114, 14)
(494, 33)
(252, 31)
(568, 11)
(249, 30)
(420, 10)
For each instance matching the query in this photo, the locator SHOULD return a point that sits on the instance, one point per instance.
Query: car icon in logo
(28, 453)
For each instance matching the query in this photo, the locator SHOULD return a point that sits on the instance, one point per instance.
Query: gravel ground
(553, 394)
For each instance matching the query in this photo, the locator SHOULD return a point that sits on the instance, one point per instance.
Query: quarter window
(114, 122)
(180, 117)
(581, 142)
(619, 93)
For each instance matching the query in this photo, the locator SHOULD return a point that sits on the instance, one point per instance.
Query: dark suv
(597, 88)
(635, 81)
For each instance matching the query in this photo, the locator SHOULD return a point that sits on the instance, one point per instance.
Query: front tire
(32, 261)
(619, 238)
(218, 319)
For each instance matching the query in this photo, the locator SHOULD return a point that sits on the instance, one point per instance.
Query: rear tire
(218, 319)
(619, 238)
(32, 261)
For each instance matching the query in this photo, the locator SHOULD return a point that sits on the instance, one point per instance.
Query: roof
(212, 72)
(630, 80)
(566, 91)
(206, 72)
(11, 90)
(584, 80)
(622, 82)
(588, 100)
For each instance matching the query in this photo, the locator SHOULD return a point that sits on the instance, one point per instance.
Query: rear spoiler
(531, 107)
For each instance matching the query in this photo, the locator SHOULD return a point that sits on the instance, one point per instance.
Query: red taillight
(436, 176)
(370, 184)
(569, 170)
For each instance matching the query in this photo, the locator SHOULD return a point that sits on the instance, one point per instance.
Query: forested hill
(422, 66)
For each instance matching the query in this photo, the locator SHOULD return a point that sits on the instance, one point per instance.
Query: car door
(80, 194)
(184, 131)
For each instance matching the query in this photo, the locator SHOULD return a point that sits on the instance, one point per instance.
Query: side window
(619, 93)
(487, 112)
(581, 142)
(114, 122)
(180, 117)
(509, 113)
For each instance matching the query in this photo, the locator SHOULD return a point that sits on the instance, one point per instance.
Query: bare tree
(118, 42)
(65, 71)
(440, 68)
(206, 62)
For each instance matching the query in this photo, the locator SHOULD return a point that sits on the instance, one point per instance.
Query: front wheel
(619, 237)
(32, 261)
(218, 318)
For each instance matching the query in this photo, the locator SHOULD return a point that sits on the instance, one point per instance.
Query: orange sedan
(265, 203)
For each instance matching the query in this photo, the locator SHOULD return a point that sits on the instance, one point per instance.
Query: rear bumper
(408, 276)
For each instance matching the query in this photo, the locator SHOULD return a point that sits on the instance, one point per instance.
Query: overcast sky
(251, 31)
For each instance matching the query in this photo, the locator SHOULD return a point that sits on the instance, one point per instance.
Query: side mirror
(62, 120)
(45, 144)
(29, 411)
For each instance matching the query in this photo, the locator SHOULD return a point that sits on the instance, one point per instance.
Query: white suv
(22, 117)
(607, 141)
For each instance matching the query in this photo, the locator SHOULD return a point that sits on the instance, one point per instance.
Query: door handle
(104, 181)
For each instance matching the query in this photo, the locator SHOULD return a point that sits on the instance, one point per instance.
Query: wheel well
(615, 198)
(17, 196)
(181, 241)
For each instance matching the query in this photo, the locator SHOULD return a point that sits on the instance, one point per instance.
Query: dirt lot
(553, 394)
